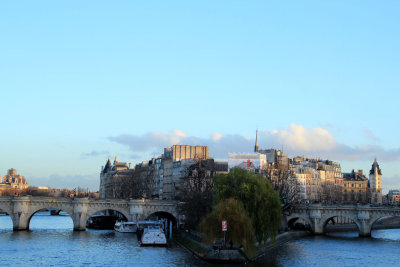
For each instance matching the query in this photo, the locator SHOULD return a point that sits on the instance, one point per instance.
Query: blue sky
(81, 81)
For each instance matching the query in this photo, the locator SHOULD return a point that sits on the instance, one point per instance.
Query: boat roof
(149, 222)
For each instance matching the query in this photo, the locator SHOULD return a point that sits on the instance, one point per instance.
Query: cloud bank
(295, 140)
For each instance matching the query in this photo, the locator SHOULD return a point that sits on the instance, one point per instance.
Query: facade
(375, 183)
(181, 152)
(111, 175)
(163, 177)
(355, 187)
(393, 197)
(13, 180)
(276, 157)
(252, 161)
(302, 178)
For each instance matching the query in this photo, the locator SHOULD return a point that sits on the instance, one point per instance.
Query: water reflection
(337, 249)
(52, 241)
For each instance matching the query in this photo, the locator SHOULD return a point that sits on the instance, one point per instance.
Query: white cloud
(296, 140)
(216, 136)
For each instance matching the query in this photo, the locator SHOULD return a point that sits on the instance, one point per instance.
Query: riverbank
(205, 252)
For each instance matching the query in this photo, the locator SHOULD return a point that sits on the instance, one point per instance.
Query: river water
(52, 242)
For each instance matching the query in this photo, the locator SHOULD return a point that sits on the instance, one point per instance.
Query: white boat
(125, 227)
(141, 225)
(153, 236)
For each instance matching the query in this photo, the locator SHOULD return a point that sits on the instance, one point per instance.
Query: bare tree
(332, 193)
(134, 185)
(284, 182)
(198, 192)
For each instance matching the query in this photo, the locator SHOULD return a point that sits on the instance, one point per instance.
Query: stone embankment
(235, 255)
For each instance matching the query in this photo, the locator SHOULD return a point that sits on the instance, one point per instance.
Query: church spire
(115, 160)
(256, 145)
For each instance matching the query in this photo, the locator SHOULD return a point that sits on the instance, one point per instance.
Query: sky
(82, 81)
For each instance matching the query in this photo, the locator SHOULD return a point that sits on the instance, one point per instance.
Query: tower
(256, 145)
(375, 183)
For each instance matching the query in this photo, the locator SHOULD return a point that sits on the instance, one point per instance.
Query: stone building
(276, 157)
(13, 180)
(112, 176)
(159, 178)
(181, 152)
(393, 197)
(375, 183)
(355, 187)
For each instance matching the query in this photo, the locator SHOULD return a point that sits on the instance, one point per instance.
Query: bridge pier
(20, 221)
(79, 219)
(316, 227)
(20, 215)
(80, 216)
(365, 228)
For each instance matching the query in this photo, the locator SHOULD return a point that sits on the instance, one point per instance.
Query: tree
(285, 183)
(259, 199)
(240, 229)
(332, 193)
(198, 193)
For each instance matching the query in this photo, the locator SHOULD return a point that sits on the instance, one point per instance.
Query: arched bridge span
(21, 209)
(364, 216)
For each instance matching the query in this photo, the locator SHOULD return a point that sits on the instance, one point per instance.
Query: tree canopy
(260, 201)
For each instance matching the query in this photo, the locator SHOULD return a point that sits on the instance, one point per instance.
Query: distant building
(355, 187)
(180, 152)
(393, 197)
(276, 157)
(110, 175)
(375, 183)
(251, 161)
(13, 180)
(163, 177)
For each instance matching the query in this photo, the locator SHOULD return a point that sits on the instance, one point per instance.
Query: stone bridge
(364, 216)
(21, 209)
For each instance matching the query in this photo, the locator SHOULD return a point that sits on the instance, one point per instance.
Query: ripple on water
(51, 242)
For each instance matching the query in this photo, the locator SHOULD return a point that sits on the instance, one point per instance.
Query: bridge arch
(35, 210)
(99, 209)
(329, 216)
(83, 220)
(294, 217)
(9, 215)
(376, 217)
(163, 214)
(6, 209)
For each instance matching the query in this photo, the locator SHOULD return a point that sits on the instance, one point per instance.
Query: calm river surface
(51, 242)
